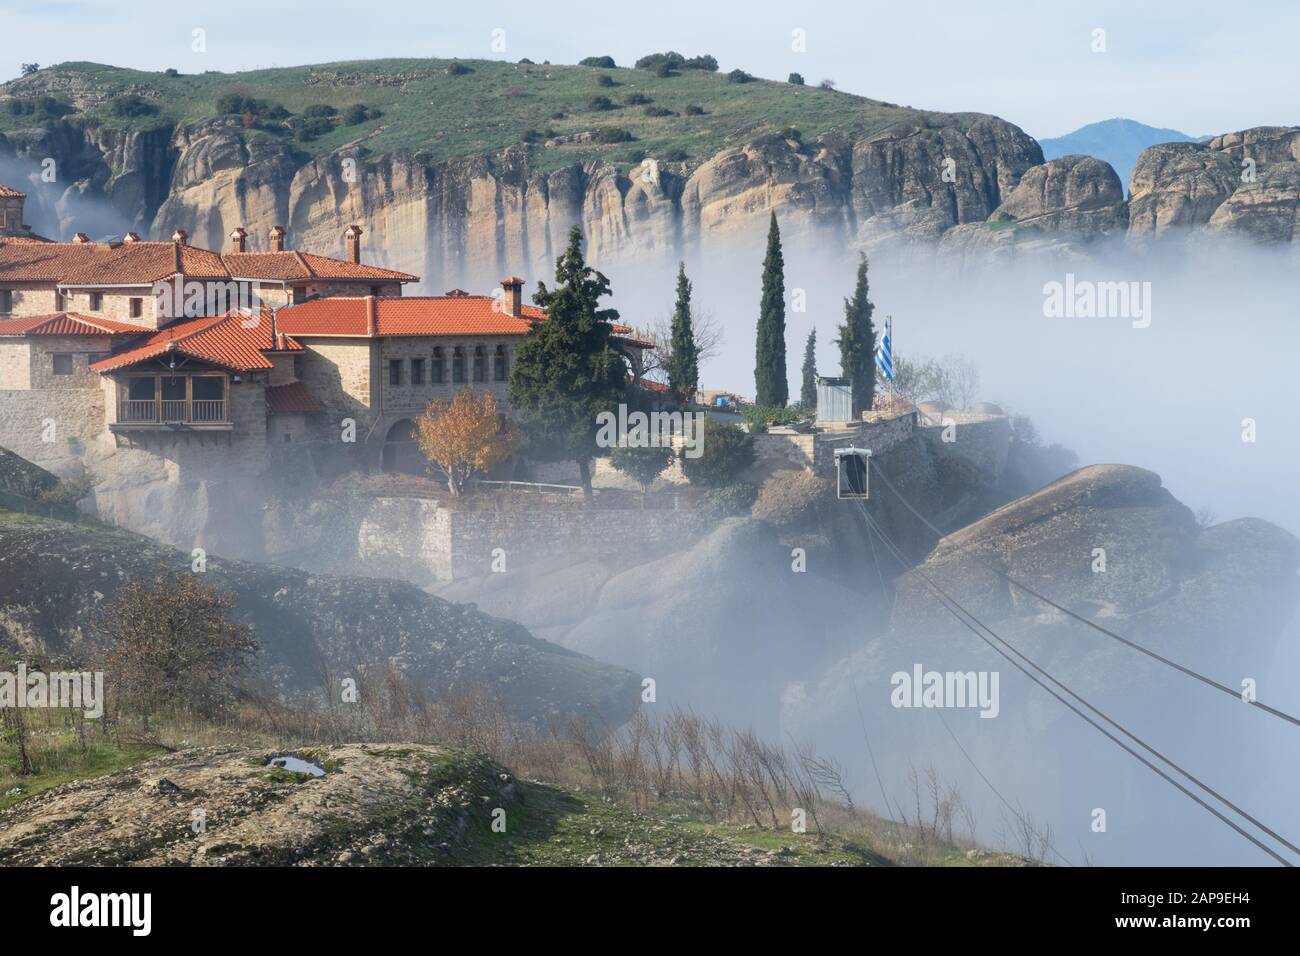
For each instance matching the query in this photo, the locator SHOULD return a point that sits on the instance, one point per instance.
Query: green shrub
(694, 110)
(795, 79)
(605, 80)
(604, 62)
(637, 99)
(658, 111)
(458, 69)
(600, 104)
(614, 134)
(758, 417)
(130, 105)
(727, 451)
(740, 76)
(319, 109)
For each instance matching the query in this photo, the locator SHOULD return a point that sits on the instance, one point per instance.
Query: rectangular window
(417, 371)
(6, 300)
(458, 365)
(435, 367)
(136, 308)
(299, 295)
(480, 364)
(394, 371)
(499, 364)
(62, 363)
(96, 301)
(60, 301)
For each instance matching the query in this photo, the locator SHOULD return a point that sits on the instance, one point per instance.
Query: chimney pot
(81, 238)
(238, 240)
(353, 240)
(131, 237)
(181, 237)
(513, 286)
(277, 239)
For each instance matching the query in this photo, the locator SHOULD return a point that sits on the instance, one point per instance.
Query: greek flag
(885, 354)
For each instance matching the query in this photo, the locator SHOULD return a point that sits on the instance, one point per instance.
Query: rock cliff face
(1244, 184)
(465, 222)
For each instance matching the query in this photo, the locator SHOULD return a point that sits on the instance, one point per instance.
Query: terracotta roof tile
(291, 399)
(288, 266)
(67, 323)
(24, 259)
(236, 341)
(10, 193)
(406, 315)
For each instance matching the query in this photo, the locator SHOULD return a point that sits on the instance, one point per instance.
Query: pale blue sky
(1202, 67)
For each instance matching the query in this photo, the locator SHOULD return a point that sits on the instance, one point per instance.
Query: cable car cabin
(852, 471)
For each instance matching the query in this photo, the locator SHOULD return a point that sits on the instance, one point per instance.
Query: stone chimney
(11, 211)
(277, 239)
(513, 287)
(181, 237)
(353, 240)
(238, 240)
(81, 238)
(131, 237)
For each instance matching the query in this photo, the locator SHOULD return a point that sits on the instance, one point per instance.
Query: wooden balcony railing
(151, 411)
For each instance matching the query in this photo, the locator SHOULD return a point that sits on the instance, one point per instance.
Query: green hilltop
(448, 109)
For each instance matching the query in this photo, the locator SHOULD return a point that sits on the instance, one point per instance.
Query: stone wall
(982, 440)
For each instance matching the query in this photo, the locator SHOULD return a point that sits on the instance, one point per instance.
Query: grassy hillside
(445, 109)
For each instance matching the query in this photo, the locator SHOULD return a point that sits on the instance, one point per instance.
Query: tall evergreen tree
(857, 343)
(808, 391)
(566, 371)
(684, 360)
(771, 385)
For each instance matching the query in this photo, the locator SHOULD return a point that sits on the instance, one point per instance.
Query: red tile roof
(288, 266)
(9, 193)
(406, 315)
(291, 399)
(24, 259)
(67, 323)
(235, 341)
(456, 313)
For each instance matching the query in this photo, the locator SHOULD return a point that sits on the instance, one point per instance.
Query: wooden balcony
(173, 413)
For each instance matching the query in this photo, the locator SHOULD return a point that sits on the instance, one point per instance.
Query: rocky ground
(57, 577)
(376, 805)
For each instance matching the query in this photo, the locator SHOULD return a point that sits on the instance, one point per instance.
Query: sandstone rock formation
(1178, 185)
(1073, 195)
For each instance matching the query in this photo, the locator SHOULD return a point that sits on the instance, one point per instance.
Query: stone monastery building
(157, 362)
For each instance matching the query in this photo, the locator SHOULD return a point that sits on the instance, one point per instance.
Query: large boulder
(1076, 195)
(1266, 210)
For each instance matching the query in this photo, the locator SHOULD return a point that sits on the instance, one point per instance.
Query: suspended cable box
(852, 472)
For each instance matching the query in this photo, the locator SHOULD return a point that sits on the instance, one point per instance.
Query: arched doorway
(401, 452)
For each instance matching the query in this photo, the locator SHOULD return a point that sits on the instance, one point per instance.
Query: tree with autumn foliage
(464, 437)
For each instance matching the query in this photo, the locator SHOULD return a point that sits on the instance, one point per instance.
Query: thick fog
(1168, 388)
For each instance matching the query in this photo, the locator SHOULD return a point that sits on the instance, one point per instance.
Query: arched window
(458, 364)
(499, 364)
(435, 368)
(480, 364)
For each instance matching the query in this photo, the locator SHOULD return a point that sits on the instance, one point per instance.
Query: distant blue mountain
(1117, 141)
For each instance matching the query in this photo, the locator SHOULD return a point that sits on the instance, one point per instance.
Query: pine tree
(771, 386)
(684, 360)
(566, 371)
(808, 391)
(857, 343)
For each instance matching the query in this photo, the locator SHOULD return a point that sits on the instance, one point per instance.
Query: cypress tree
(566, 371)
(684, 360)
(771, 386)
(808, 391)
(857, 343)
